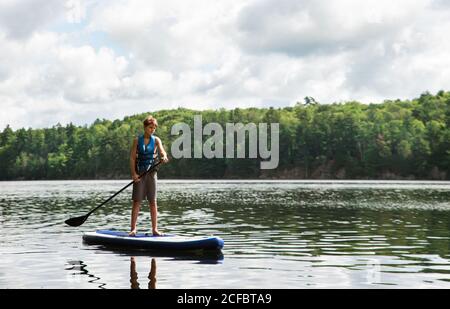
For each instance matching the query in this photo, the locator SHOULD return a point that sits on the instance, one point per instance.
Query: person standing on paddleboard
(142, 156)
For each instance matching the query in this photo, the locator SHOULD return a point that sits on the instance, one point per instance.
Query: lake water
(278, 234)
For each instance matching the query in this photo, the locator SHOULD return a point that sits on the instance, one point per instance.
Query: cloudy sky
(78, 60)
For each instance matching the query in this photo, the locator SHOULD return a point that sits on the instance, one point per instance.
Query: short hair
(150, 120)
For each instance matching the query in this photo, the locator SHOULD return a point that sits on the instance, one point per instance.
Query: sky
(79, 60)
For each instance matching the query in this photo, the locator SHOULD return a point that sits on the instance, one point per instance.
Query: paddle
(77, 221)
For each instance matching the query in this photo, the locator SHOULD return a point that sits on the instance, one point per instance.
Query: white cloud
(405, 64)
(384, 49)
(116, 58)
(20, 18)
(313, 26)
(47, 78)
(172, 35)
(45, 66)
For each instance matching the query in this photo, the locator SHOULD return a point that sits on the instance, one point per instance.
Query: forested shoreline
(391, 140)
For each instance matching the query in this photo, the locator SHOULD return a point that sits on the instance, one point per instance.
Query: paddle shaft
(111, 197)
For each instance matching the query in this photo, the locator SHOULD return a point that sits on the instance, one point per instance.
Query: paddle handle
(111, 197)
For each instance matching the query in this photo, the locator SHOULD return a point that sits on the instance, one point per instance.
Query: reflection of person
(142, 157)
(152, 275)
(134, 276)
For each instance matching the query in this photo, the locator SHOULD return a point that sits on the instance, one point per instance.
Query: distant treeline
(391, 140)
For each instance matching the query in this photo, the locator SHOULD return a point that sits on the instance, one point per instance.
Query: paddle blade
(76, 221)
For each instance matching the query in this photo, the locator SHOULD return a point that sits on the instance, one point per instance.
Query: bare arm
(161, 150)
(133, 160)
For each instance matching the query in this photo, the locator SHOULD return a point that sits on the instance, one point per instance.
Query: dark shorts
(146, 188)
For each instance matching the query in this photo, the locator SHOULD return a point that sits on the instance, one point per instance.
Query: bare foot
(132, 233)
(157, 233)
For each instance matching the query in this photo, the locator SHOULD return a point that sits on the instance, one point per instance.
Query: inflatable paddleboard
(150, 242)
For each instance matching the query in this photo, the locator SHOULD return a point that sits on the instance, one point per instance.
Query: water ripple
(299, 234)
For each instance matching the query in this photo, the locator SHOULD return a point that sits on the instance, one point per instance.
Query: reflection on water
(134, 275)
(277, 234)
(78, 268)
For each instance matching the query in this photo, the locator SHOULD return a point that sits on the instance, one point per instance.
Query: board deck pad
(148, 241)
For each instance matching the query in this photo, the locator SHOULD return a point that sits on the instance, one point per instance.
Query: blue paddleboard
(150, 242)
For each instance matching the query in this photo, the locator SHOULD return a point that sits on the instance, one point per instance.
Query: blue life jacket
(145, 153)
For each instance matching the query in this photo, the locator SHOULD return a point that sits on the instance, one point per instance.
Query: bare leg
(154, 217)
(134, 217)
